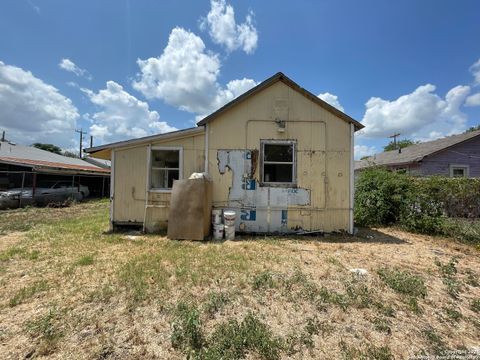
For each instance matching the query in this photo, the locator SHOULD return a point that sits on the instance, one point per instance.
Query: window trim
(465, 168)
(293, 162)
(180, 164)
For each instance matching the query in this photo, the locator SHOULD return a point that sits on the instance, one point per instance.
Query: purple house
(452, 156)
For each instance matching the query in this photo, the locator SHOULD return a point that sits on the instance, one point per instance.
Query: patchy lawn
(68, 289)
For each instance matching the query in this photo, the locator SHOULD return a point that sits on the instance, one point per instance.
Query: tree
(400, 144)
(48, 147)
(473, 128)
(70, 154)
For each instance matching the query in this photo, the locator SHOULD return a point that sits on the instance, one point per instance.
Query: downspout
(206, 148)
(352, 174)
(112, 187)
(147, 185)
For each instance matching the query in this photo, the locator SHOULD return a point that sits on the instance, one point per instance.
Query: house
(25, 166)
(278, 155)
(452, 156)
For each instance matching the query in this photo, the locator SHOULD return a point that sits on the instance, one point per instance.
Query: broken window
(165, 167)
(278, 162)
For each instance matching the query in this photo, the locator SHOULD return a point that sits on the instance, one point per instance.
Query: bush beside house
(433, 205)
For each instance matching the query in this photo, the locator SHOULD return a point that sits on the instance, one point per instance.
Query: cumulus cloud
(122, 115)
(475, 70)
(331, 99)
(473, 100)
(185, 76)
(225, 31)
(33, 111)
(421, 114)
(363, 150)
(70, 66)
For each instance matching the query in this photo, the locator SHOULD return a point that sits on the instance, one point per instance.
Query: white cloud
(473, 100)
(421, 114)
(70, 66)
(363, 150)
(33, 111)
(185, 76)
(475, 70)
(331, 99)
(122, 115)
(224, 30)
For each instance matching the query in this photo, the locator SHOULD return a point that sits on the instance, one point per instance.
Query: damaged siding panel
(321, 138)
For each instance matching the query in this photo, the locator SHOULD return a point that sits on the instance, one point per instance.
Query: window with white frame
(165, 166)
(459, 171)
(278, 162)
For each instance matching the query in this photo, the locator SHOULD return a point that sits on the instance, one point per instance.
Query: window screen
(458, 172)
(278, 162)
(165, 167)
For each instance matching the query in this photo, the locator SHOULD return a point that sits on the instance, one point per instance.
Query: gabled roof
(38, 159)
(272, 80)
(415, 153)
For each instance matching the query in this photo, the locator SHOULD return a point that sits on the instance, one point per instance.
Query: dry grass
(68, 289)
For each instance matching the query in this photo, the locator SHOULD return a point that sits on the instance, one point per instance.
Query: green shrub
(379, 196)
(432, 205)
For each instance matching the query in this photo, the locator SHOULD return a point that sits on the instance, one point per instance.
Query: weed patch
(47, 330)
(403, 282)
(367, 352)
(215, 302)
(85, 260)
(475, 305)
(27, 292)
(449, 272)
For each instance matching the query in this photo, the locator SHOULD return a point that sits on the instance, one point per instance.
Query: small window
(278, 162)
(165, 167)
(459, 171)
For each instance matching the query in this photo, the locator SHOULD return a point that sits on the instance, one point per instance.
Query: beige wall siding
(323, 165)
(131, 172)
(323, 153)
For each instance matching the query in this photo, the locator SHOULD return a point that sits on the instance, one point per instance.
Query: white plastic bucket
(230, 232)
(229, 217)
(216, 216)
(218, 230)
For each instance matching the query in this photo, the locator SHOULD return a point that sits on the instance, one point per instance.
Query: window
(459, 171)
(164, 167)
(278, 162)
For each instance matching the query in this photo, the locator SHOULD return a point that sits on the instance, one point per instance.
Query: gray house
(452, 156)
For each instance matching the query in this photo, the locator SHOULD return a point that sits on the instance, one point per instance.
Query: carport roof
(42, 160)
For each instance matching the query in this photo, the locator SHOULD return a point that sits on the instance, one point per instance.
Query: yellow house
(278, 155)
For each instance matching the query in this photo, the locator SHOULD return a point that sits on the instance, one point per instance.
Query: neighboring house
(278, 155)
(27, 165)
(452, 156)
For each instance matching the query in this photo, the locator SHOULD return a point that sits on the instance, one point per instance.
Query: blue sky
(122, 69)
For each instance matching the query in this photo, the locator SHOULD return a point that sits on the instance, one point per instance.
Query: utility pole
(394, 136)
(81, 132)
(91, 141)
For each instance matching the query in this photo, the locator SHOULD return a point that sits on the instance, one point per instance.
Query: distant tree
(48, 147)
(70, 154)
(400, 144)
(364, 157)
(473, 128)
